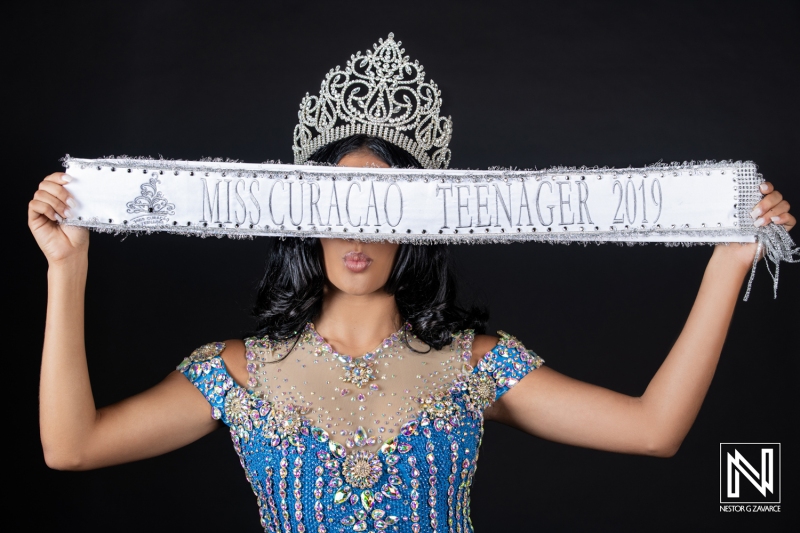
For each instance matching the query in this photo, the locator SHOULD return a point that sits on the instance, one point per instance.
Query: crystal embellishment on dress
(287, 422)
(481, 391)
(380, 93)
(396, 455)
(237, 406)
(205, 352)
(362, 470)
(360, 371)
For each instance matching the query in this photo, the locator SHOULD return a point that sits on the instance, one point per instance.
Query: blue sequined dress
(383, 442)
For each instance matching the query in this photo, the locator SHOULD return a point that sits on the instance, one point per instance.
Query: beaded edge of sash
(150, 212)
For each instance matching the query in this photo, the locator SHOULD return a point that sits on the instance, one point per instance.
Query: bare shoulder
(235, 361)
(482, 345)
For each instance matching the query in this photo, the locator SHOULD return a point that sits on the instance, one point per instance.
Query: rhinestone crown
(380, 93)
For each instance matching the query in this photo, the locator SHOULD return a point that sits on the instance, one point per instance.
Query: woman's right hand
(51, 200)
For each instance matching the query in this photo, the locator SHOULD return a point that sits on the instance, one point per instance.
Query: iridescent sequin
(362, 469)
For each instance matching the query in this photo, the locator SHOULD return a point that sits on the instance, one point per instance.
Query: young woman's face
(354, 267)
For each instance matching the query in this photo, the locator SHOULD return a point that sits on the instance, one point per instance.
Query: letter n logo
(750, 472)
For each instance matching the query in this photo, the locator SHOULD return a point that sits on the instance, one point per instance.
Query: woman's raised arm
(558, 408)
(75, 435)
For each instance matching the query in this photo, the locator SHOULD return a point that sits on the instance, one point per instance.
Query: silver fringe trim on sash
(152, 211)
(777, 246)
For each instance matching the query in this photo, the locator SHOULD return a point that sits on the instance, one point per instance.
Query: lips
(357, 261)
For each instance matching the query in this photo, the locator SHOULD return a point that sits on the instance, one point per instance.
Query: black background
(529, 85)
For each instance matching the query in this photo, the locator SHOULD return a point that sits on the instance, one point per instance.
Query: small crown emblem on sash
(151, 200)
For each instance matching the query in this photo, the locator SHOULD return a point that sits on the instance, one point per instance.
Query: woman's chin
(358, 287)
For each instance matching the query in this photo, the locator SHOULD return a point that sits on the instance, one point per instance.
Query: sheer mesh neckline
(363, 401)
(294, 432)
(323, 346)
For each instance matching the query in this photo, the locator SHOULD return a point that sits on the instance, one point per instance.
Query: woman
(387, 440)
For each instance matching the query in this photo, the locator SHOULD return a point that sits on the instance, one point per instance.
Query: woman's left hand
(555, 407)
(772, 208)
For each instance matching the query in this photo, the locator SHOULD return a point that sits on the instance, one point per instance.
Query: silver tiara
(380, 93)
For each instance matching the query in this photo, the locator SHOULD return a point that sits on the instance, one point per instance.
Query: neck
(354, 324)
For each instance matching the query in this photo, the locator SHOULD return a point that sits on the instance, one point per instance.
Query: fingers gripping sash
(689, 203)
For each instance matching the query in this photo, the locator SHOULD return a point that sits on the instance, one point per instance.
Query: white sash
(705, 202)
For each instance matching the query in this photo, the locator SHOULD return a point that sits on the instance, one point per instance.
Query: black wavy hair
(422, 280)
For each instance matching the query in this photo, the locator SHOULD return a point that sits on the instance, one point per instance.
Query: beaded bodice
(383, 442)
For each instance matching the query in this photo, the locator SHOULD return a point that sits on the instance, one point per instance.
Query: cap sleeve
(507, 363)
(206, 370)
